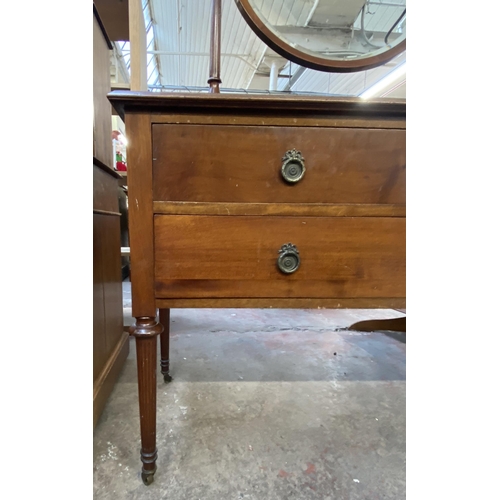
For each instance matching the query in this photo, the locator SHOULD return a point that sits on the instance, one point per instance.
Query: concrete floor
(265, 404)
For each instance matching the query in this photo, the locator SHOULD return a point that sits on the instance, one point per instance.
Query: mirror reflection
(335, 29)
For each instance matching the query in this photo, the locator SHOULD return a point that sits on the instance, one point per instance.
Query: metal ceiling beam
(334, 40)
(388, 4)
(325, 32)
(294, 78)
(242, 57)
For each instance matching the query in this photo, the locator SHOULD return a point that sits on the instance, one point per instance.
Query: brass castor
(167, 378)
(148, 477)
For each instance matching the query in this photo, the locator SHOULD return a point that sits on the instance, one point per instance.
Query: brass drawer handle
(288, 260)
(293, 167)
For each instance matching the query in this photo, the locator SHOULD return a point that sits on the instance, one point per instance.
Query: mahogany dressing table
(258, 201)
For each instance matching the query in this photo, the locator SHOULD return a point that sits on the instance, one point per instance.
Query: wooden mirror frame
(303, 58)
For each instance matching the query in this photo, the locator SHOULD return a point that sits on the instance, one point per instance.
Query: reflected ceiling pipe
(273, 76)
(400, 18)
(275, 65)
(363, 32)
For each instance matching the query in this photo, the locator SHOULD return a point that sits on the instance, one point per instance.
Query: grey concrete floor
(265, 404)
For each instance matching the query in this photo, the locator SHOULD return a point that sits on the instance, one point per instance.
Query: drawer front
(224, 163)
(233, 256)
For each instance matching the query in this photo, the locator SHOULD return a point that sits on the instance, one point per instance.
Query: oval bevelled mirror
(330, 35)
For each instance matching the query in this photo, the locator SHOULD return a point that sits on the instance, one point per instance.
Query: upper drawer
(225, 163)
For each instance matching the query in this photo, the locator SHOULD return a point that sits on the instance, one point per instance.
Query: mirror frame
(307, 60)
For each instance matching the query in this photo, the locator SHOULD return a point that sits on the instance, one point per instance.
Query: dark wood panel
(107, 169)
(102, 141)
(99, 329)
(114, 17)
(293, 209)
(323, 303)
(243, 164)
(105, 191)
(343, 256)
(112, 280)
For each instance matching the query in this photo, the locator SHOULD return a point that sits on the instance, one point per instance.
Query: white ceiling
(180, 41)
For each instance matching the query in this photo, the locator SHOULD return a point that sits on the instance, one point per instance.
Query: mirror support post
(215, 32)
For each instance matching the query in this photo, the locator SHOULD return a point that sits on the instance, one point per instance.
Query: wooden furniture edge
(127, 101)
(103, 30)
(283, 209)
(297, 303)
(104, 384)
(255, 120)
(98, 163)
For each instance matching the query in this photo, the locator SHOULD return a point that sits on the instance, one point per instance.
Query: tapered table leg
(145, 333)
(165, 344)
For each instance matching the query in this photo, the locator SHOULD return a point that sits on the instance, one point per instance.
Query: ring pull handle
(293, 166)
(288, 260)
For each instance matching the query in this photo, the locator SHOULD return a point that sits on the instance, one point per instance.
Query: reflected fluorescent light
(385, 82)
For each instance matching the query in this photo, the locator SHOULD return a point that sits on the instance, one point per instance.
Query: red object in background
(121, 166)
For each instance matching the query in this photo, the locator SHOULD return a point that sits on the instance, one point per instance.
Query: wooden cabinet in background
(110, 341)
(102, 145)
(111, 345)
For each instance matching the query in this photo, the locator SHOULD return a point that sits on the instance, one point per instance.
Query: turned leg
(165, 344)
(145, 333)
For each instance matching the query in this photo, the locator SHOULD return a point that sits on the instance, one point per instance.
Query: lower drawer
(239, 257)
